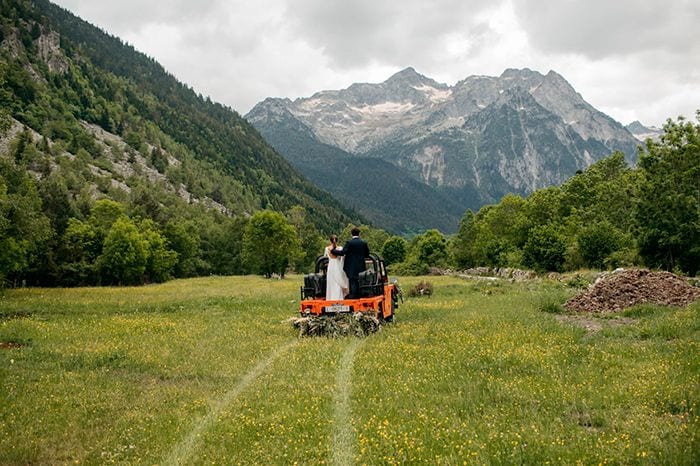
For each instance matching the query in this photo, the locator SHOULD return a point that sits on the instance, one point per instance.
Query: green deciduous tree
(668, 212)
(597, 242)
(545, 249)
(184, 239)
(394, 250)
(430, 249)
(103, 215)
(124, 254)
(271, 243)
(160, 260)
(310, 239)
(82, 245)
(545, 206)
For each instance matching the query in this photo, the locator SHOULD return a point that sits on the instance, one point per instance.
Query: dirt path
(182, 451)
(592, 324)
(343, 441)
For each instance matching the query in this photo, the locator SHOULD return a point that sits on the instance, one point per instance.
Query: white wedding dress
(336, 280)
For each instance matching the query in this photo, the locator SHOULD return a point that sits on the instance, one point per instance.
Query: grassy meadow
(207, 370)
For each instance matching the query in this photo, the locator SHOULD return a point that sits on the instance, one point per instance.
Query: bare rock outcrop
(49, 46)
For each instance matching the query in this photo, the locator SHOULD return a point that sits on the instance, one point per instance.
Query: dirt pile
(626, 288)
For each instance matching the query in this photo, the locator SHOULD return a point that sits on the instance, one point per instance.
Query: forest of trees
(79, 210)
(52, 231)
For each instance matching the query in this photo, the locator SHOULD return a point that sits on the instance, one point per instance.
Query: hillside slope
(379, 190)
(113, 172)
(70, 82)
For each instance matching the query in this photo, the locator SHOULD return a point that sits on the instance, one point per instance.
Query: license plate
(337, 308)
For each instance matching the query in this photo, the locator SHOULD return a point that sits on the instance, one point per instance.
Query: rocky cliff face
(476, 141)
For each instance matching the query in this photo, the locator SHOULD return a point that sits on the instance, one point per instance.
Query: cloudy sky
(632, 59)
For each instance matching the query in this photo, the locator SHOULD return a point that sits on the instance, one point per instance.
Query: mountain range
(411, 153)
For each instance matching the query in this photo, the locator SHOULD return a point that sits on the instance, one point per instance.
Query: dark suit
(355, 252)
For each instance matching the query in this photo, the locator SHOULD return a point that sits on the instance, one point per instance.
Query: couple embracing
(344, 266)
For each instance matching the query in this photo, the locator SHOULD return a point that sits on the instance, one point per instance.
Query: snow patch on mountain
(383, 108)
(312, 104)
(434, 94)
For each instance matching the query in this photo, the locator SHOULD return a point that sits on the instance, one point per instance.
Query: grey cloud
(129, 15)
(603, 28)
(356, 33)
(202, 28)
(645, 53)
(639, 59)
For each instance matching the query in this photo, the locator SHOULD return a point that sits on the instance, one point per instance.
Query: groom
(355, 251)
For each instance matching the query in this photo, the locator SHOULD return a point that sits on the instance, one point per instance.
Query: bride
(336, 280)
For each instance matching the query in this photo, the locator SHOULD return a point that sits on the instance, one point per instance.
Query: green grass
(207, 371)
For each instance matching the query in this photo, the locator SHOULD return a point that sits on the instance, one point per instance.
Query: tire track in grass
(343, 441)
(182, 451)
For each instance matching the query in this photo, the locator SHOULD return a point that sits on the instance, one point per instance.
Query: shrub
(578, 281)
(551, 301)
(424, 288)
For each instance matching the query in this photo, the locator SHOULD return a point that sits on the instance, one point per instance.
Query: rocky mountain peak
(272, 108)
(554, 80)
(276, 111)
(524, 73)
(637, 127)
(407, 73)
(551, 74)
(410, 86)
(410, 77)
(642, 132)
